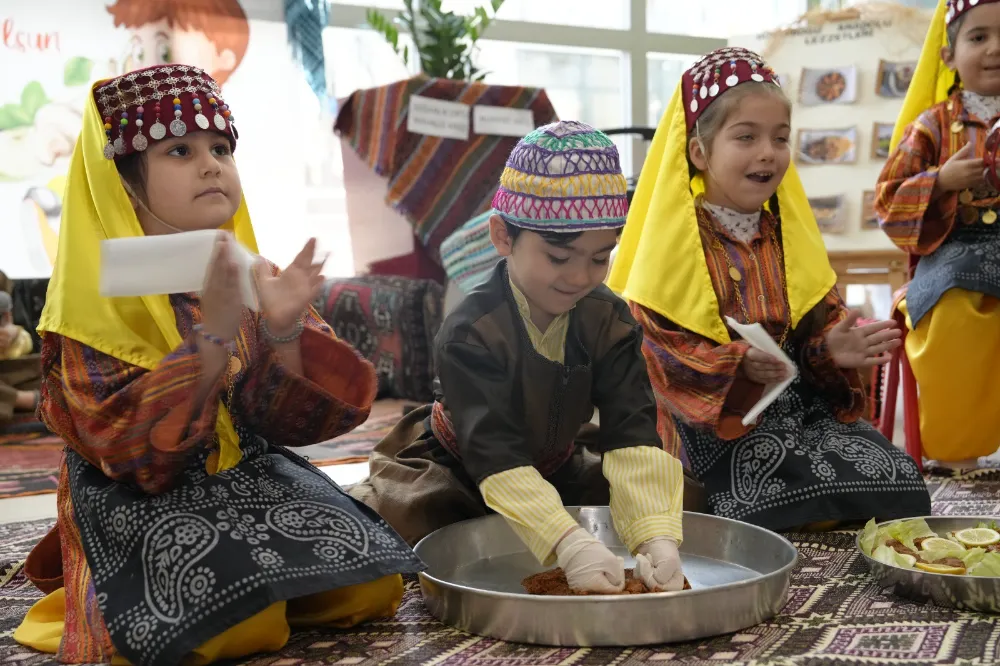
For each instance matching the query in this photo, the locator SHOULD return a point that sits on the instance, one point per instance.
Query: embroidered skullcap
(163, 101)
(563, 177)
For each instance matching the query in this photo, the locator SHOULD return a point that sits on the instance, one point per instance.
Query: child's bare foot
(26, 401)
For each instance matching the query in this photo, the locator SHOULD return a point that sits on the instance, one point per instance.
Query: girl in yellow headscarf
(720, 227)
(186, 531)
(933, 201)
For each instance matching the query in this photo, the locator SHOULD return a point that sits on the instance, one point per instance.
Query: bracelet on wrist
(214, 339)
(282, 339)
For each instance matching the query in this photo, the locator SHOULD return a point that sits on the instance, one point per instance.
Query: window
(664, 72)
(612, 14)
(720, 18)
(588, 85)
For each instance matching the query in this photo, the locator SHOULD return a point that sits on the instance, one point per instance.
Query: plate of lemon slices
(948, 560)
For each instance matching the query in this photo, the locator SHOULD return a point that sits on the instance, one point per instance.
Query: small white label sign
(436, 117)
(501, 121)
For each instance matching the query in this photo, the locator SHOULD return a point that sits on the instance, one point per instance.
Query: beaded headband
(563, 177)
(716, 73)
(125, 101)
(958, 7)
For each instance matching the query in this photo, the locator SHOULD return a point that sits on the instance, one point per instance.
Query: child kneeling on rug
(522, 363)
(720, 226)
(186, 531)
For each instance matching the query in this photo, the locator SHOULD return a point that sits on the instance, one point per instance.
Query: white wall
(858, 43)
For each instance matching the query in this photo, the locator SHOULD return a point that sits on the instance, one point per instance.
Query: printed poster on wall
(49, 61)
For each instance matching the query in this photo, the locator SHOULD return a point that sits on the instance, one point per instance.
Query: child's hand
(862, 346)
(962, 171)
(283, 299)
(589, 565)
(221, 299)
(658, 564)
(762, 368)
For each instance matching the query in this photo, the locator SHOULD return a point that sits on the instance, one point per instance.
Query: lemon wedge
(937, 543)
(939, 568)
(977, 536)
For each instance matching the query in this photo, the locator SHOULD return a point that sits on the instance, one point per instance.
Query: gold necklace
(737, 277)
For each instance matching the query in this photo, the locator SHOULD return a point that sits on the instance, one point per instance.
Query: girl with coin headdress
(720, 227)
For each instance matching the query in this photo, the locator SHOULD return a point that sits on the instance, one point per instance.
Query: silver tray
(972, 593)
(739, 574)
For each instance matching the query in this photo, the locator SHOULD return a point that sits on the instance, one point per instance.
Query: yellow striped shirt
(647, 483)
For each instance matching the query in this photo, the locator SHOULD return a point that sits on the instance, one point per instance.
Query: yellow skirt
(955, 354)
(267, 631)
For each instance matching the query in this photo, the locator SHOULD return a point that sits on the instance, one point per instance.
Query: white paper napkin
(169, 264)
(758, 338)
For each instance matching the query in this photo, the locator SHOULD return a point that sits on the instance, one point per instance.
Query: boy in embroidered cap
(933, 201)
(720, 227)
(176, 410)
(522, 363)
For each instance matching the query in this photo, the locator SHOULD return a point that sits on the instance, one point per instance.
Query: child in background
(933, 201)
(522, 363)
(186, 531)
(20, 372)
(720, 226)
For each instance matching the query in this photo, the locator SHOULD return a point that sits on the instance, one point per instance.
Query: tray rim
(869, 560)
(783, 572)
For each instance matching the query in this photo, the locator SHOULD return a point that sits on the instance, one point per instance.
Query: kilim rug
(834, 616)
(29, 462)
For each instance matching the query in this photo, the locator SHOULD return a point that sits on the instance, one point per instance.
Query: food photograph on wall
(829, 212)
(894, 78)
(829, 86)
(881, 138)
(827, 146)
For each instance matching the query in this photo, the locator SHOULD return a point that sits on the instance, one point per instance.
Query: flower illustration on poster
(53, 59)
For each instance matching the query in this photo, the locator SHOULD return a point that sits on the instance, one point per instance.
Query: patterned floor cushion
(392, 321)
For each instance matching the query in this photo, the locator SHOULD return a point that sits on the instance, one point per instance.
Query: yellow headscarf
(138, 330)
(931, 80)
(660, 262)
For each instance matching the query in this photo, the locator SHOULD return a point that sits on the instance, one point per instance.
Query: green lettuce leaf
(888, 556)
(988, 565)
(868, 536)
(905, 532)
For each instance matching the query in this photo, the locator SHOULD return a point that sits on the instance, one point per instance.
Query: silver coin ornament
(201, 120)
(757, 77)
(119, 146)
(109, 151)
(732, 80)
(139, 142)
(178, 128)
(157, 131)
(220, 122)
(694, 105)
(714, 90)
(703, 92)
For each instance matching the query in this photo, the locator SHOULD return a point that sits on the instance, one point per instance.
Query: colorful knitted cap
(563, 177)
(956, 8)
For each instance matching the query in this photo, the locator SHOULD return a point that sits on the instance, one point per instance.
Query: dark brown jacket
(506, 406)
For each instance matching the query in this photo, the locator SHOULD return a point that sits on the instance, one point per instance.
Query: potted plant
(445, 42)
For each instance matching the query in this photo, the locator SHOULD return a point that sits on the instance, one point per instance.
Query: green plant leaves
(77, 71)
(445, 42)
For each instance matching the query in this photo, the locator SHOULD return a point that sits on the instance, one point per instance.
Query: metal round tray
(739, 576)
(974, 593)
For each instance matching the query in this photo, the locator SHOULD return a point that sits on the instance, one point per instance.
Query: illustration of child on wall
(38, 133)
(211, 34)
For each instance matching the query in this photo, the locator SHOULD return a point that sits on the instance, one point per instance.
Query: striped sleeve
(695, 379)
(136, 426)
(841, 386)
(531, 506)
(333, 396)
(647, 494)
(915, 217)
